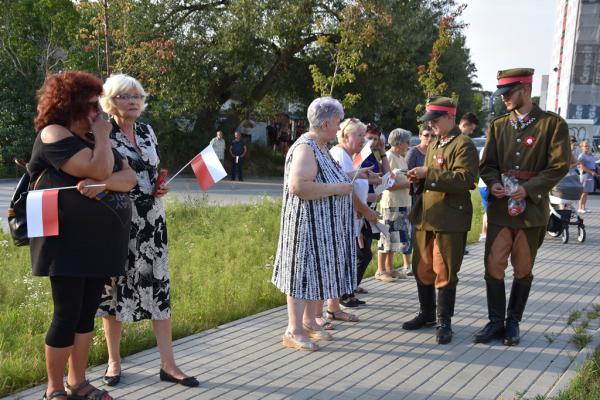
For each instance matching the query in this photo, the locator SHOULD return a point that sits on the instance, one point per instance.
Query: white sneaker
(580, 211)
(587, 210)
(408, 271)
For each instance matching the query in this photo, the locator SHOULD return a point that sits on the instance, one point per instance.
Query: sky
(503, 34)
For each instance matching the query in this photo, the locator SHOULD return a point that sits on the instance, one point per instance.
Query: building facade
(574, 84)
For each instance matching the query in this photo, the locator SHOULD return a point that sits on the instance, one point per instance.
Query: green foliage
(259, 56)
(586, 385)
(34, 38)
(431, 79)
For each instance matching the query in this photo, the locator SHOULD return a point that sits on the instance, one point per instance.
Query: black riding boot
(516, 305)
(446, 298)
(496, 302)
(426, 315)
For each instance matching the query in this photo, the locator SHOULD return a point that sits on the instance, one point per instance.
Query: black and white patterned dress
(144, 291)
(316, 254)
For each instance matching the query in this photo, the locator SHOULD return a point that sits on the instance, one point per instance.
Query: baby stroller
(561, 209)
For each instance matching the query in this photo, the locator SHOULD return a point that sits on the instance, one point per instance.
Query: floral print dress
(144, 291)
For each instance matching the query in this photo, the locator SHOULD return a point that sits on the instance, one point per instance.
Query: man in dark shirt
(238, 150)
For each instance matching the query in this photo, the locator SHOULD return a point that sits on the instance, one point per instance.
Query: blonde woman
(144, 291)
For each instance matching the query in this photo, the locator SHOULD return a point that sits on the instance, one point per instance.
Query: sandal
(55, 394)
(317, 335)
(85, 391)
(328, 326)
(342, 316)
(304, 345)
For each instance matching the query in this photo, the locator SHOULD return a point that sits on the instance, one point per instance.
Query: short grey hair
(398, 136)
(323, 109)
(118, 84)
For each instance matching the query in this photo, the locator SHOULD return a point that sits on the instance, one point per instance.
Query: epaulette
(499, 117)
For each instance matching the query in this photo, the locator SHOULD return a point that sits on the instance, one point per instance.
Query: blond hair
(118, 84)
(349, 127)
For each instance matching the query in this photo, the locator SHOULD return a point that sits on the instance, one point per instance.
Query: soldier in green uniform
(442, 217)
(532, 147)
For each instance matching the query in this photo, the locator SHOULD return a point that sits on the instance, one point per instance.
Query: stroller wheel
(581, 233)
(565, 235)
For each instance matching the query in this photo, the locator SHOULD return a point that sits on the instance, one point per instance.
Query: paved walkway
(376, 359)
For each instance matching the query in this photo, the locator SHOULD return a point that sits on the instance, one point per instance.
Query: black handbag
(17, 210)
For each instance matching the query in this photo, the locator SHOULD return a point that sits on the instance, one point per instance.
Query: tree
(431, 78)
(34, 40)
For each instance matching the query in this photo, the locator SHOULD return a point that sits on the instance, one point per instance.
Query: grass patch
(586, 385)
(221, 261)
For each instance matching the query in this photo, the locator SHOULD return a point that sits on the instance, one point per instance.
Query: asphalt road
(224, 192)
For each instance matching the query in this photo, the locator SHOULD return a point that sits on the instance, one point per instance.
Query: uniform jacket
(541, 147)
(445, 205)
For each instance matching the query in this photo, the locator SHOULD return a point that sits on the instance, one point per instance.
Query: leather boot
(496, 302)
(516, 305)
(446, 298)
(426, 315)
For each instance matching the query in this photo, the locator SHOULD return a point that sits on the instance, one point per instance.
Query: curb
(565, 379)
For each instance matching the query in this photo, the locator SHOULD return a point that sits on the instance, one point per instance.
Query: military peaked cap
(438, 106)
(511, 78)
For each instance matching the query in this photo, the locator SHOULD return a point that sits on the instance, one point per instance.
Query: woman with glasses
(144, 291)
(395, 206)
(73, 148)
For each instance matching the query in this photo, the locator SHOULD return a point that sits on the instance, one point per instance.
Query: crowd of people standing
(333, 209)
(328, 215)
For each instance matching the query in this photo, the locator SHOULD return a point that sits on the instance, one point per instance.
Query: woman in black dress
(73, 148)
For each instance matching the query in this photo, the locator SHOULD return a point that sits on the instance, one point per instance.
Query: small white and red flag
(362, 156)
(42, 213)
(208, 168)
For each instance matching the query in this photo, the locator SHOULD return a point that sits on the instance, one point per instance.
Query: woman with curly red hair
(73, 148)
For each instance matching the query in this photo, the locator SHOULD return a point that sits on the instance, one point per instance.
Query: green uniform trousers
(520, 244)
(437, 257)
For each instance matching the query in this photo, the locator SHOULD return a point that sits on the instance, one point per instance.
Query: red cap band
(515, 79)
(433, 107)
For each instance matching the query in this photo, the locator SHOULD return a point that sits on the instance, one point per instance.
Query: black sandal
(55, 394)
(86, 391)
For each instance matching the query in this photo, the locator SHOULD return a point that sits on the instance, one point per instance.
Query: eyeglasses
(126, 97)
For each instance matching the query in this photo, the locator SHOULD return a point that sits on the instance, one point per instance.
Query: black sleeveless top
(93, 234)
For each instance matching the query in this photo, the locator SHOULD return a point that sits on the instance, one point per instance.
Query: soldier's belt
(525, 175)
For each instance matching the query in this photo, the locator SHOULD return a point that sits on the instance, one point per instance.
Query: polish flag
(42, 213)
(208, 168)
(362, 156)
